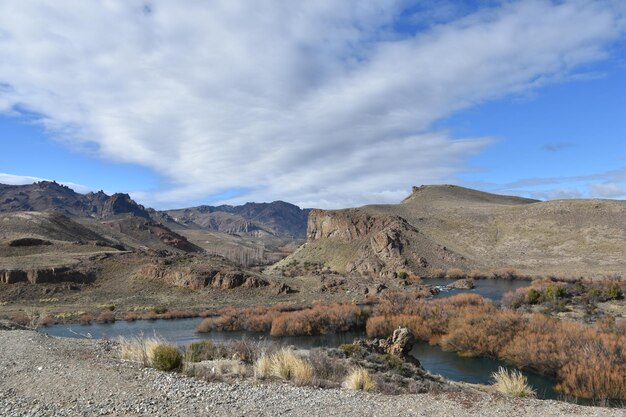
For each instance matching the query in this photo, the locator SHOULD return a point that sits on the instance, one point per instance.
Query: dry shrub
(586, 362)
(21, 318)
(263, 367)
(106, 316)
(138, 349)
(254, 319)
(285, 364)
(455, 273)
(380, 326)
(201, 351)
(512, 383)
(327, 368)
(166, 358)
(474, 332)
(47, 321)
(360, 379)
(507, 273)
(321, 319)
(400, 302)
(85, 318)
(599, 372)
(438, 273)
(477, 274)
(426, 319)
(178, 314)
(131, 316)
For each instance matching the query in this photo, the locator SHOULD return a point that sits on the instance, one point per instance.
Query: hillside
(441, 227)
(253, 219)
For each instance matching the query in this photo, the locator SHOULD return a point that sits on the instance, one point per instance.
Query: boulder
(462, 284)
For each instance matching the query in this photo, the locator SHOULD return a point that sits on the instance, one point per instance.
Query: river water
(433, 359)
(182, 332)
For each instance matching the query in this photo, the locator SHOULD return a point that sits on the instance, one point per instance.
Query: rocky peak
(120, 203)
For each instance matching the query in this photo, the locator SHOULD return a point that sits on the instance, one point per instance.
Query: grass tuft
(512, 383)
(360, 379)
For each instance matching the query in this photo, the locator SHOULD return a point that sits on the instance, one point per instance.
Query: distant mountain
(51, 196)
(253, 219)
(440, 227)
(116, 218)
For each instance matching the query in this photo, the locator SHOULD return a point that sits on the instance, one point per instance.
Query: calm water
(182, 332)
(488, 288)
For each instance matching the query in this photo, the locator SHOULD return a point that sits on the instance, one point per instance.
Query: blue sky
(323, 105)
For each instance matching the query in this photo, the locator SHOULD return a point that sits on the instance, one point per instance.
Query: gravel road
(47, 376)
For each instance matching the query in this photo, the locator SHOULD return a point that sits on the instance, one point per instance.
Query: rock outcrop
(50, 275)
(201, 276)
(379, 245)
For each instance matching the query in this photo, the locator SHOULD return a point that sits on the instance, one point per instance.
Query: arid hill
(441, 227)
(254, 219)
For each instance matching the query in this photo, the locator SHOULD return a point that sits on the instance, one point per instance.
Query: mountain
(51, 196)
(116, 219)
(254, 219)
(441, 227)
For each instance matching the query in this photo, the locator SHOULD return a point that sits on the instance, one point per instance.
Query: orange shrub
(455, 273)
(321, 319)
(476, 332)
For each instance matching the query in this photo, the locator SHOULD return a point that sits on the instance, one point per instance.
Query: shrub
(554, 292)
(321, 319)
(85, 318)
(403, 275)
(360, 379)
(512, 383)
(612, 292)
(201, 351)
(166, 358)
(455, 273)
(349, 349)
(327, 368)
(106, 316)
(533, 296)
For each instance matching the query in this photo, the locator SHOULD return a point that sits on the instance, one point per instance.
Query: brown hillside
(455, 227)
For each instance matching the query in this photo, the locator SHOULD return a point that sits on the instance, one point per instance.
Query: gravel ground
(47, 376)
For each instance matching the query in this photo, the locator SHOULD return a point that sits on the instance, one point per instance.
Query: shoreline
(66, 368)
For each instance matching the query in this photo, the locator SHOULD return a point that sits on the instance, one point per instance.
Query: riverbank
(48, 376)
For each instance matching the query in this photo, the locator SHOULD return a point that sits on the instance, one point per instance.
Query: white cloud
(11, 179)
(608, 190)
(318, 103)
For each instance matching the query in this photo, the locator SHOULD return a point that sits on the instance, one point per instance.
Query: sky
(323, 104)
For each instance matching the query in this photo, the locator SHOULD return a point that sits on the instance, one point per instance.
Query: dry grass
(512, 383)
(141, 350)
(263, 367)
(360, 379)
(285, 364)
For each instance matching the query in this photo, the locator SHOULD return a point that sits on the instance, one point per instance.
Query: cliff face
(47, 275)
(381, 245)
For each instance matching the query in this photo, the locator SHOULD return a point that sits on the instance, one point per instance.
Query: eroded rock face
(202, 276)
(47, 275)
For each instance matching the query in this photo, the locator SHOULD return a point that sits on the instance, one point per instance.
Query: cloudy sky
(322, 103)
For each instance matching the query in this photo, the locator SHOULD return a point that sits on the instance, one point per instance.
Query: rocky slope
(441, 227)
(256, 219)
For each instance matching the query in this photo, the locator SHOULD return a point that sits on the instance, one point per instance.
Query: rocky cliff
(363, 243)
